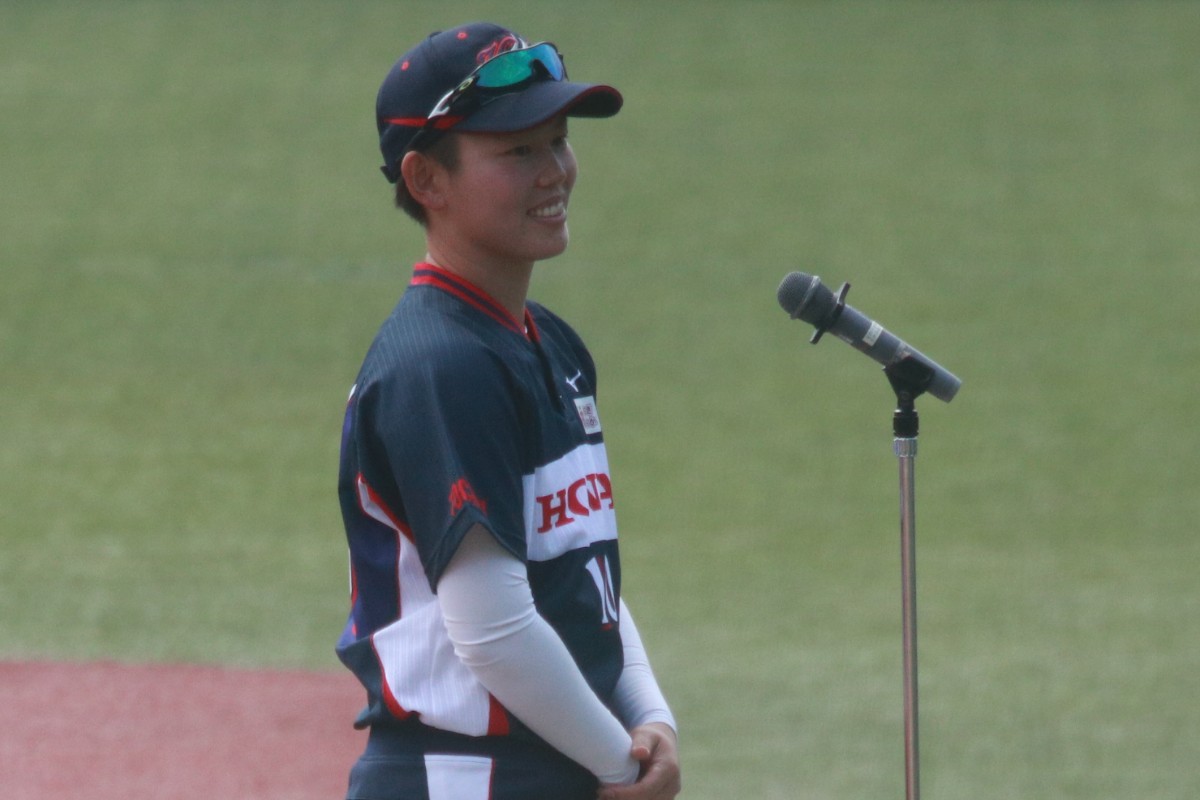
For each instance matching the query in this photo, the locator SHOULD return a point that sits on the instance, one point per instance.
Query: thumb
(643, 745)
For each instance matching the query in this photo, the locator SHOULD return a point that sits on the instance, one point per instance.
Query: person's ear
(423, 177)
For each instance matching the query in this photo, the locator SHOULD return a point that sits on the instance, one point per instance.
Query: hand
(655, 748)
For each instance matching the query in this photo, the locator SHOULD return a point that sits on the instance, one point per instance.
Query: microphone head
(792, 290)
(804, 297)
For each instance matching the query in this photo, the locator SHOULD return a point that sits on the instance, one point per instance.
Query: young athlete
(486, 622)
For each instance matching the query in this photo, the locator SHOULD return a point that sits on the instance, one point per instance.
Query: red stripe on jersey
(389, 699)
(430, 275)
(531, 328)
(497, 718)
(374, 507)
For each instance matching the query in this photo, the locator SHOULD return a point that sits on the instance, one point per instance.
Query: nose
(559, 167)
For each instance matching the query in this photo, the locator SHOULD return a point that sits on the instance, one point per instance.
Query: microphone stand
(909, 379)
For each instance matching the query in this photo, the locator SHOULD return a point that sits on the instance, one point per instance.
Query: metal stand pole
(905, 426)
(905, 448)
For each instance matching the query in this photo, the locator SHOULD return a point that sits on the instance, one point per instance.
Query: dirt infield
(102, 731)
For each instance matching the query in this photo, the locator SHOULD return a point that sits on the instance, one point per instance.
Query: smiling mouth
(555, 209)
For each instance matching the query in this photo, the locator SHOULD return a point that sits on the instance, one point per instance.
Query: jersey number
(601, 573)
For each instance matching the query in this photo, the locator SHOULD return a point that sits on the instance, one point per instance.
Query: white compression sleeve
(638, 698)
(496, 631)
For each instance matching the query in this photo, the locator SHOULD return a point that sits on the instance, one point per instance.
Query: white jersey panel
(424, 675)
(420, 670)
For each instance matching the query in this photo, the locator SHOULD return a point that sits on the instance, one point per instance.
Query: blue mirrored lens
(516, 66)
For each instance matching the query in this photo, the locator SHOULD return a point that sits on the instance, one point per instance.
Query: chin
(553, 249)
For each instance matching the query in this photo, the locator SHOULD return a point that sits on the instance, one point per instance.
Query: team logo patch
(586, 406)
(501, 45)
(462, 493)
(584, 496)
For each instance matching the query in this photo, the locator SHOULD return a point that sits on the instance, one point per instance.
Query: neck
(508, 284)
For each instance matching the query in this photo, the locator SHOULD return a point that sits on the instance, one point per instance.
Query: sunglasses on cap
(507, 72)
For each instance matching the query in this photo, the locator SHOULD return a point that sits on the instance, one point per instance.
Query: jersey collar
(425, 274)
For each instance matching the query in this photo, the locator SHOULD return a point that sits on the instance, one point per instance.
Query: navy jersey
(460, 416)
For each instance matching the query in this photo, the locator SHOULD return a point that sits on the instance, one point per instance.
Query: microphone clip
(834, 314)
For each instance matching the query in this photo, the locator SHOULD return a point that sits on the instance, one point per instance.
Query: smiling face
(505, 204)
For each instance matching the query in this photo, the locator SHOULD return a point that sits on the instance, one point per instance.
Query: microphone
(804, 297)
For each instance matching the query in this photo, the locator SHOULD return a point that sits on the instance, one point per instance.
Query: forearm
(638, 698)
(496, 630)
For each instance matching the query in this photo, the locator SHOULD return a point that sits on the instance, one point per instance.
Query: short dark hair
(444, 151)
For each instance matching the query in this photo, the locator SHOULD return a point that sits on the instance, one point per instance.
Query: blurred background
(196, 248)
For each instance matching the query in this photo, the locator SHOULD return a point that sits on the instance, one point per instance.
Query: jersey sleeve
(448, 425)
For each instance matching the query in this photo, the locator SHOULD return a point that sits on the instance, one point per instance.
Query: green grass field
(196, 248)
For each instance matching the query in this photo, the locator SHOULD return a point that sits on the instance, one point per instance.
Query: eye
(521, 150)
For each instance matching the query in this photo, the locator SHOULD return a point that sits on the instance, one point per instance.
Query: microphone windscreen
(805, 297)
(792, 290)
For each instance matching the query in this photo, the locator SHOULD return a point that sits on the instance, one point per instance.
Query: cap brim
(540, 102)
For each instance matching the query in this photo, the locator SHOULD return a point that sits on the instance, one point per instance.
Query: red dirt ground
(106, 731)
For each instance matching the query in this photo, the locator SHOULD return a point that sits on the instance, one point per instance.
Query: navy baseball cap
(445, 83)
